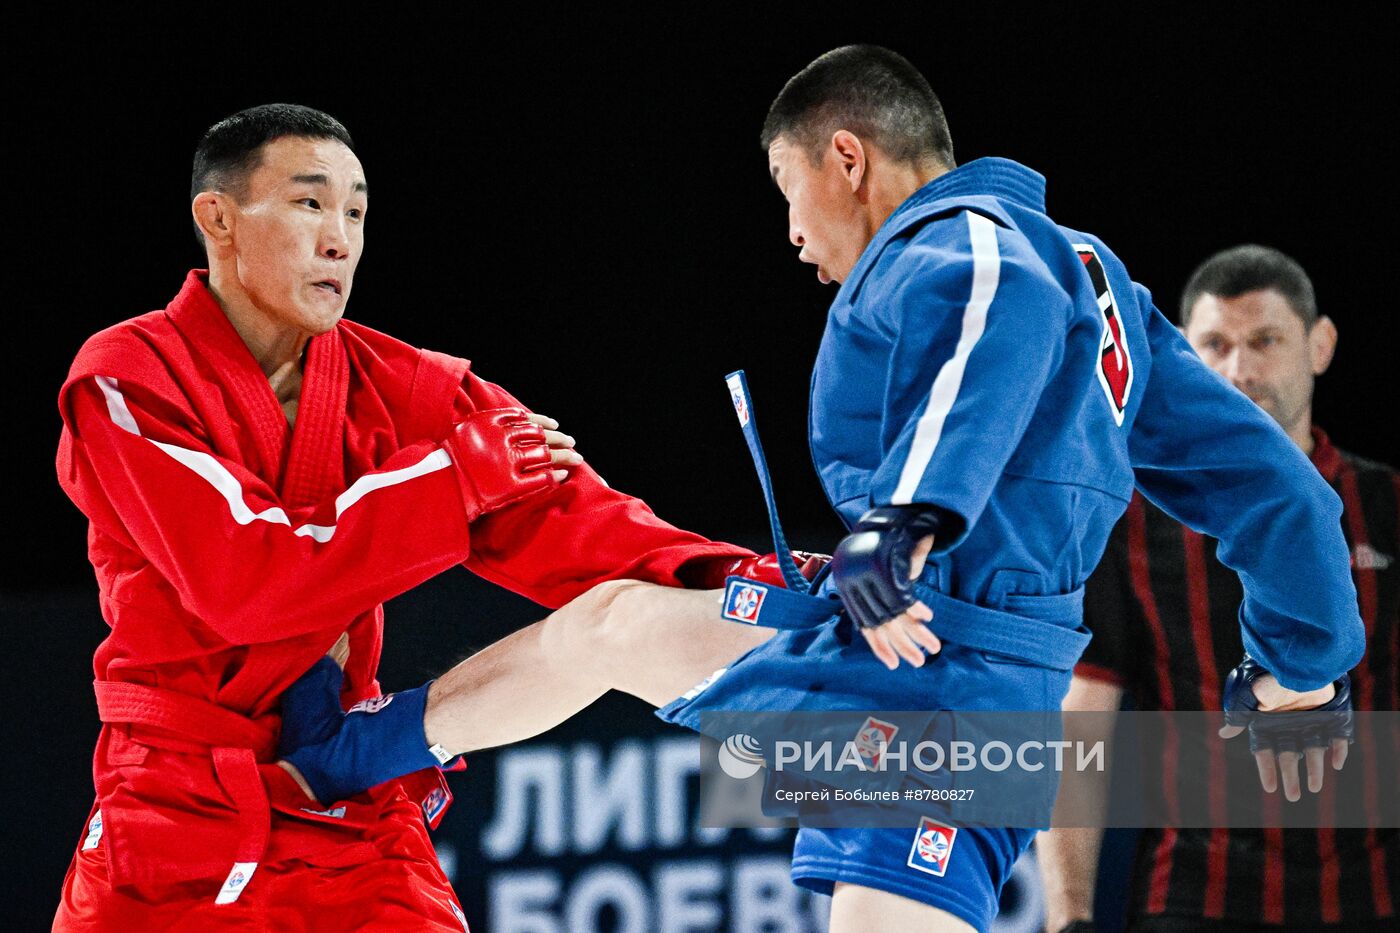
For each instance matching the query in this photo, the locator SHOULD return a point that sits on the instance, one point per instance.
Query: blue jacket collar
(994, 177)
(987, 182)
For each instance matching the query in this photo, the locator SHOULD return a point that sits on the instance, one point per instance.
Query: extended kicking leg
(651, 641)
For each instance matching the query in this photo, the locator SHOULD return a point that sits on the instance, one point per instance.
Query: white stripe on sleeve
(368, 483)
(986, 271)
(226, 484)
(116, 405)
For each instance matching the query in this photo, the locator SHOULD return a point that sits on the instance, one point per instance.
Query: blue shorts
(829, 667)
(960, 870)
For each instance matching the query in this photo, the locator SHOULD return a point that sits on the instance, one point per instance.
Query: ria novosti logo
(740, 756)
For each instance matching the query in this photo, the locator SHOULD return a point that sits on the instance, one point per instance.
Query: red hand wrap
(502, 457)
(764, 569)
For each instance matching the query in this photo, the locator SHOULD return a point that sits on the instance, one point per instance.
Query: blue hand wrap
(378, 740)
(1286, 732)
(311, 707)
(871, 564)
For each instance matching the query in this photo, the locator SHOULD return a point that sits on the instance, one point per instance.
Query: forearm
(584, 534)
(255, 568)
(249, 565)
(1069, 860)
(1069, 856)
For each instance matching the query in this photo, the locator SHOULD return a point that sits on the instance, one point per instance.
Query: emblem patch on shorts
(872, 740)
(94, 835)
(933, 845)
(743, 601)
(236, 881)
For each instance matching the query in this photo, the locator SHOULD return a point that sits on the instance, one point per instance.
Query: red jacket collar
(315, 467)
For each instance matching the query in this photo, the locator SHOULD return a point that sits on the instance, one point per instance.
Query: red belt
(236, 745)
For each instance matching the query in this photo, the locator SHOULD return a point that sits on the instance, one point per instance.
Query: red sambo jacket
(232, 550)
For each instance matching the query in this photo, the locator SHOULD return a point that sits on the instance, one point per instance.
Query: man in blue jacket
(990, 388)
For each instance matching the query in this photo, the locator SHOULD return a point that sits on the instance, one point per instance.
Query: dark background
(578, 204)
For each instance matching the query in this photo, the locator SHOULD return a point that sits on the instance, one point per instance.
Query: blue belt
(1042, 630)
(743, 407)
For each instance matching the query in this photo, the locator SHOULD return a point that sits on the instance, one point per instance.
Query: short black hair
(870, 91)
(231, 149)
(1251, 268)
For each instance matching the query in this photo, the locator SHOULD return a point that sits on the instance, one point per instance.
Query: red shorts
(401, 889)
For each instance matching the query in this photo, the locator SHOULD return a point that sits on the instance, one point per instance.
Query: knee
(614, 603)
(601, 620)
(615, 596)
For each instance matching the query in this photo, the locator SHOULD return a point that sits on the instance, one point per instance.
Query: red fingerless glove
(502, 458)
(765, 569)
(809, 564)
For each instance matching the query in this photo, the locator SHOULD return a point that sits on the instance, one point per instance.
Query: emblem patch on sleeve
(933, 846)
(743, 601)
(1115, 369)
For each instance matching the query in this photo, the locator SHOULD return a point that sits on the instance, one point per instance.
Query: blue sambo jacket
(982, 359)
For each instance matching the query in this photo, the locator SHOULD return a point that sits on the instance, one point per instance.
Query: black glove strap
(871, 565)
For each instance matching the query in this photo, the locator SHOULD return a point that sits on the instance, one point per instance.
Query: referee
(1164, 613)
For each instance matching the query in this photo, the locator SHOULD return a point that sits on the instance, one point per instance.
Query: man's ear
(1322, 344)
(213, 215)
(851, 156)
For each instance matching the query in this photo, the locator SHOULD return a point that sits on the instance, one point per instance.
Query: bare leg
(651, 641)
(855, 909)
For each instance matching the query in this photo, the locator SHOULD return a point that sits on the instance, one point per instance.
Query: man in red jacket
(260, 476)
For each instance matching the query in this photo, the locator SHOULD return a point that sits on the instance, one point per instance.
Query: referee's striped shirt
(1164, 613)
